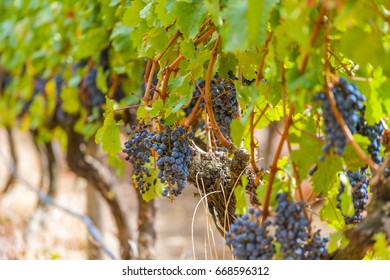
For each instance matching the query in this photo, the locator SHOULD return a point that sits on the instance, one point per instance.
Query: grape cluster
(224, 102)
(359, 184)
(373, 133)
(174, 155)
(349, 103)
(293, 232)
(93, 95)
(138, 152)
(249, 238)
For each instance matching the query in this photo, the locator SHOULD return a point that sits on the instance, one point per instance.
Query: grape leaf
(326, 175)
(331, 214)
(132, 14)
(380, 249)
(226, 62)
(189, 16)
(94, 41)
(337, 241)
(307, 154)
(234, 31)
(70, 100)
(239, 194)
(346, 200)
(258, 15)
(109, 133)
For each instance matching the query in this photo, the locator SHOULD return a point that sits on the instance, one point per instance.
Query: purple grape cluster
(374, 134)
(293, 232)
(137, 148)
(174, 155)
(225, 105)
(349, 102)
(249, 238)
(359, 184)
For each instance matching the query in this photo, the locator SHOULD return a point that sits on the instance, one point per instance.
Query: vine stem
(177, 61)
(349, 72)
(263, 56)
(195, 112)
(209, 106)
(294, 166)
(252, 143)
(314, 36)
(114, 86)
(274, 165)
(154, 65)
(266, 107)
(128, 107)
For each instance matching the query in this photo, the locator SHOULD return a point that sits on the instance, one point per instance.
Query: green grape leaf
(141, 112)
(258, 15)
(70, 100)
(91, 43)
(374, 109)
(331, 214)
(180, 90)
(234, 31)
(380, 249)
(213, 7)
(164, 10)
(189, 16)
(337, 241)
(118, 164)
(326, 175)
(238, 130)
(226, 62)
(156, 187)
(101, 80)
(158, 108)
(351, 159)
(108, 134)
(307, 153)
(371, 50)
(170, 119)
(239, 194)
(346, 200)
(132, 15)
(196, 66)
(248, 62)
(187, 48)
